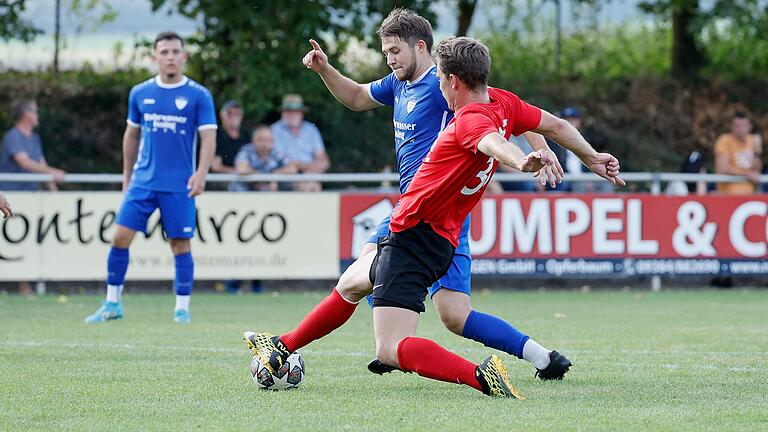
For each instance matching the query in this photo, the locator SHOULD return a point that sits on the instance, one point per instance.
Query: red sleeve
(472, 126)
(527, 116)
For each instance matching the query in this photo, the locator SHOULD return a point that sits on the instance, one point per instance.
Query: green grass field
(668, 361)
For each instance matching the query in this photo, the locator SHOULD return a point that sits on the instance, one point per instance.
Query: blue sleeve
(206, 113)
(14, 145)
(318, 144)
(134, 116)
(383, 90)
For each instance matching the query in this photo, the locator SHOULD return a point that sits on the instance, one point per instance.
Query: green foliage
(12, 25)
(673, 361)
(82, 114)
(252, 52)
(589, 59)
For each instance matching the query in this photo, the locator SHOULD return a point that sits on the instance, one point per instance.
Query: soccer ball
(289, 376)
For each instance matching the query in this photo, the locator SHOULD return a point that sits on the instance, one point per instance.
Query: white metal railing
(654, 178)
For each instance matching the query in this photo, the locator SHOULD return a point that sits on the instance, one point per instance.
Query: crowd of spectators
(293, 145)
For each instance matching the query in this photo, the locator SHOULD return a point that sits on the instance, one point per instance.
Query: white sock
(114, 292)
(536, 354)
(182, 302)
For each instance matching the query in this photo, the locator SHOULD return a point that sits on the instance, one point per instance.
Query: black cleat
(379, 368)
(268, 348)
(558, 366)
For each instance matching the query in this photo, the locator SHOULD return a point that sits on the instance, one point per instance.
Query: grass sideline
(690, 360)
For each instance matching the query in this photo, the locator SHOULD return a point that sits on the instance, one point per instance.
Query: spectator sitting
(739, 153)
(300, 141)
(23, 150)
(260, 156)
(229, 138)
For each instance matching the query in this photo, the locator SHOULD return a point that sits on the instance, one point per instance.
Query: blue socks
(495, 333)
(185, 269)
(117, 264)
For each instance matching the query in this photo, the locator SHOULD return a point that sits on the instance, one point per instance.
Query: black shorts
(407, 263)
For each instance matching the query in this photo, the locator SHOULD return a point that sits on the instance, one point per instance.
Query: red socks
(331, 313)
(430, 360)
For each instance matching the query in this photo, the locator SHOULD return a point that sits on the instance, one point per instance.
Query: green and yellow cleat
(268, 348)
(494, 378)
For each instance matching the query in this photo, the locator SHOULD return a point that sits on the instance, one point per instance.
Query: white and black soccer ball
(289, 376)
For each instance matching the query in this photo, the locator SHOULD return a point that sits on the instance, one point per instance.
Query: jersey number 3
(484, 176)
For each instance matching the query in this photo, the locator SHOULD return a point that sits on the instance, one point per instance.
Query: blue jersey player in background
(420, 113)
(165, 115)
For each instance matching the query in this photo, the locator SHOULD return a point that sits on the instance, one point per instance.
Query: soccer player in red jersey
(425, 225)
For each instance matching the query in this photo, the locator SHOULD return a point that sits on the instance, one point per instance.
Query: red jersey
(453, 176)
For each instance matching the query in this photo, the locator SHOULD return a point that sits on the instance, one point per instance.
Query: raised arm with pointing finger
(350, 93)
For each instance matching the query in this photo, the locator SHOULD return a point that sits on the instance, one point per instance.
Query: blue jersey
(420, 113)
(169, 116)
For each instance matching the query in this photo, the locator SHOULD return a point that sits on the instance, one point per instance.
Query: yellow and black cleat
(268, 348)
(494, 378)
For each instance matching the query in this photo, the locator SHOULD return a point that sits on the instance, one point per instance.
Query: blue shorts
(459, 275)
(177, 211)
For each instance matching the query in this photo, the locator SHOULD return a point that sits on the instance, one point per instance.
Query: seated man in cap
(300, 141)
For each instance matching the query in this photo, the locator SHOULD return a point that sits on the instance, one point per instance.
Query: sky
(135, 20)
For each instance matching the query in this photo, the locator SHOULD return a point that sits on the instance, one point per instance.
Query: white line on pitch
(77, 345)
(358, 353)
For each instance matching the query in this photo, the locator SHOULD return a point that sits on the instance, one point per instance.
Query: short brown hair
(407, 25)
(168, 35)
(466, 58)
(20, 107)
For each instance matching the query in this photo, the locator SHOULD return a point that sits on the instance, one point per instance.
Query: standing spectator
(5, 207)
(229, 138)
(300, 141)
(739, 153)
(23, 150)
(571, 162)
(261, 157)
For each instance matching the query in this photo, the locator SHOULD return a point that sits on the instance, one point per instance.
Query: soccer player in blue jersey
(165, 115)
(420, 113)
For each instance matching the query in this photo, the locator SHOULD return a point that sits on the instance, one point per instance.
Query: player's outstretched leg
(396, 347)
(185, 270)
(117, 265)
(458, 316)
(331, 313)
